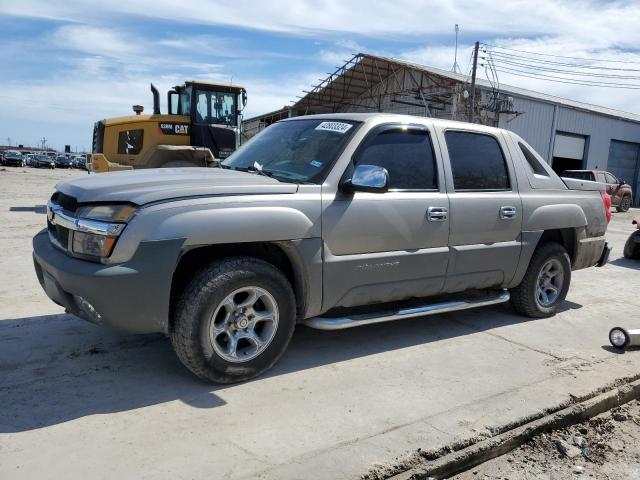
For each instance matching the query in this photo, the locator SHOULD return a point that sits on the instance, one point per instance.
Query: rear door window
(477, 161)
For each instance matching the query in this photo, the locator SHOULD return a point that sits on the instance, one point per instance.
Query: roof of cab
(395, 117)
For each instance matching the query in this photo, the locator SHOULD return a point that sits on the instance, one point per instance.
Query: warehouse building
(568, 134)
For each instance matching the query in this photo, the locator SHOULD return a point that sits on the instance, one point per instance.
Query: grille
(61, 234)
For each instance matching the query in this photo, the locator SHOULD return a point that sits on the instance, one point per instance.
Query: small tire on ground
(632, 246)
(625, 204)
(198, 302)
(524, 297)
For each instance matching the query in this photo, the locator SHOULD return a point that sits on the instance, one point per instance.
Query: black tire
(632, 246)
(524, 297)
(625, 204)
(198, 303)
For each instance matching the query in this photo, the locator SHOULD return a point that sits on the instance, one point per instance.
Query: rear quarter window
(534, 164)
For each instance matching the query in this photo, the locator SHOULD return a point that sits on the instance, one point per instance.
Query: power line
(551, 78)
(566, 72)
(560, 56)
(510, 56)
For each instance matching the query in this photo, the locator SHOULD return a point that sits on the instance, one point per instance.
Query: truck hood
(157, 184)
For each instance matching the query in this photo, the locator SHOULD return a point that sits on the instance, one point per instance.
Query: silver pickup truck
(332, 221)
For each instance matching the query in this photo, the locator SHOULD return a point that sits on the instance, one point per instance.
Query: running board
(339, 323)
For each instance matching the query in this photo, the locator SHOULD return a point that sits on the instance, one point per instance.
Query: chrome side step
(339, 323)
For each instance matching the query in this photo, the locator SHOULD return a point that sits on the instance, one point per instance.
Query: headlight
(92, 244)
(107, 213)
(97, 228)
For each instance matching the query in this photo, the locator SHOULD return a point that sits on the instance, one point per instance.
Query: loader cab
(215, 113)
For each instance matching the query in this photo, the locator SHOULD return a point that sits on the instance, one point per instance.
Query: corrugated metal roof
(357, 75)
(523, 92)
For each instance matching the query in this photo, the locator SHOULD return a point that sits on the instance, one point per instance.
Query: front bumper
(604, 257)
(132, 296)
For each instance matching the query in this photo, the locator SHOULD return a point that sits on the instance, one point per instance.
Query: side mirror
(367, 178)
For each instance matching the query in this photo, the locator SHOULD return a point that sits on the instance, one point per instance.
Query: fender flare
(554, 217)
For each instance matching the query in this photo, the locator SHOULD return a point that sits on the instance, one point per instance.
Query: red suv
(620, 191)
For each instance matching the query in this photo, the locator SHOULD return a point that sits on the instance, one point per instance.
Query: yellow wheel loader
(202, 127)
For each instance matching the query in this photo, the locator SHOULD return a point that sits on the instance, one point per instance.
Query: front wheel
(234, 320)
(545, 284)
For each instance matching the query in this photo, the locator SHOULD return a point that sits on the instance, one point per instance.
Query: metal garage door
(623, 163)
(569, 146)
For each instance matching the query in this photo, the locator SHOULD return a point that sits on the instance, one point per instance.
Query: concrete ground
(79, 401)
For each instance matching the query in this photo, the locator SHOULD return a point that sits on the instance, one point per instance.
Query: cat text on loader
(202, 127)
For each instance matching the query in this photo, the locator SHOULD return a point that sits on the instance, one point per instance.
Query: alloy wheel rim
(244, 324)
(550, 282)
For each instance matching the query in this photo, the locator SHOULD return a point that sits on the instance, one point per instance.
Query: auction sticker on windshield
(338, 127)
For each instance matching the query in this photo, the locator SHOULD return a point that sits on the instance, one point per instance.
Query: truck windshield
(298, 150)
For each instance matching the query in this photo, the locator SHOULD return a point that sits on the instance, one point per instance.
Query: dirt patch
(606, 447)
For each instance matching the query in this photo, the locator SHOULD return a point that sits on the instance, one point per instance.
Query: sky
(64, 65)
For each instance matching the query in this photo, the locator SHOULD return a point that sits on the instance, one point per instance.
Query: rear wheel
(625, 204)
(545, 284)
(234, 320)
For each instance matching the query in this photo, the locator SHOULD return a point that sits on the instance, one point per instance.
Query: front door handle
(507, 213)
(437, 214)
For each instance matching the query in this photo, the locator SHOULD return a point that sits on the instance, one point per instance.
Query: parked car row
(42, 160)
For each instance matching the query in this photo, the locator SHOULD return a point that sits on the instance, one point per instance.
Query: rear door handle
(437, 214)
(507, 213)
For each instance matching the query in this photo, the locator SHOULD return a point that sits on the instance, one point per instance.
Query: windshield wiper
(266, 173)
(260, 171)
(257, 168)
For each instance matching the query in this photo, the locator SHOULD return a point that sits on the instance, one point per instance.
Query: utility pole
(456, 67)
(476, 47)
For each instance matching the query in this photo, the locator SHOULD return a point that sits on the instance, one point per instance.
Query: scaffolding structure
(369, 83)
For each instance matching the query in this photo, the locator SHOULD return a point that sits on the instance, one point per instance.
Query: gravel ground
(606, 447)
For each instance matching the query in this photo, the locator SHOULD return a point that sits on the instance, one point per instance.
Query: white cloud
(103, 65)
(340, 52)
(96, 41)
(590, 21)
